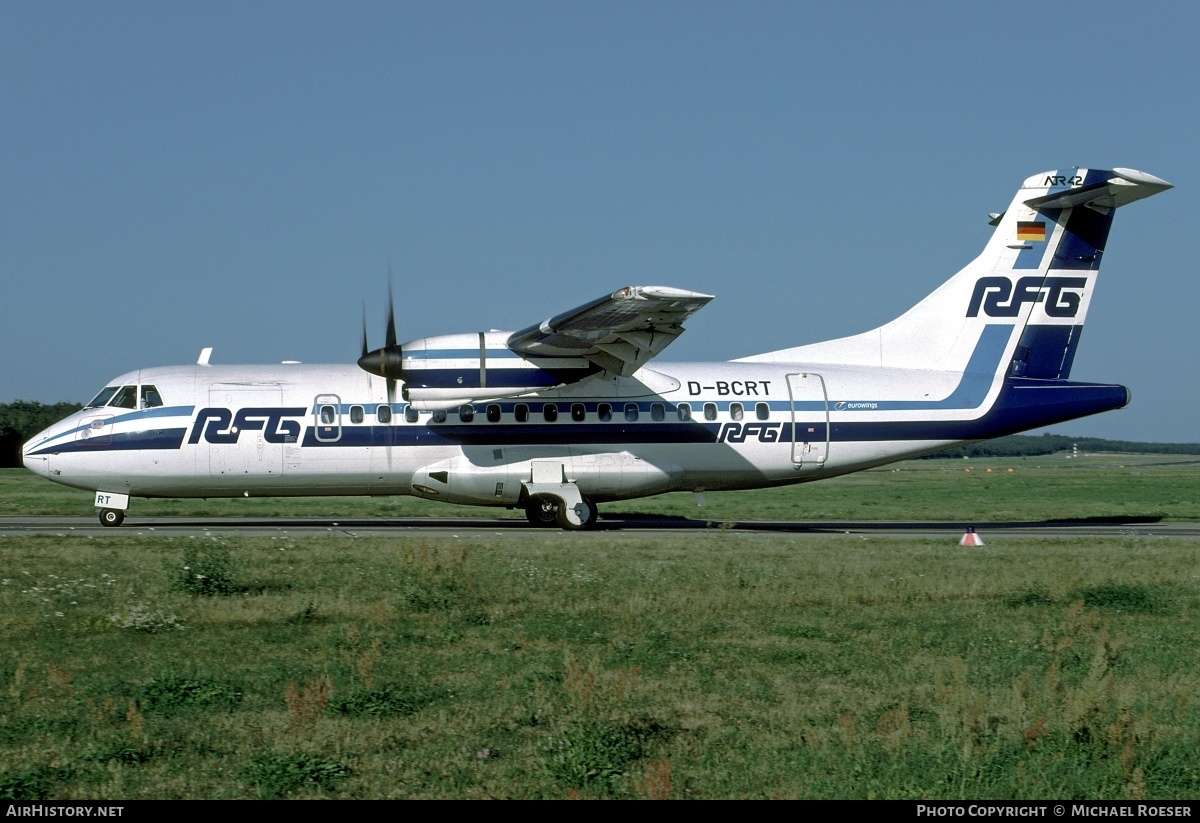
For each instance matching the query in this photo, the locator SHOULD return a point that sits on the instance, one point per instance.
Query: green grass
(1037, 488)
(546, 664)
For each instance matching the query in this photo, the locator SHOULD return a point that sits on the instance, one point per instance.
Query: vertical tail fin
(1024, 298)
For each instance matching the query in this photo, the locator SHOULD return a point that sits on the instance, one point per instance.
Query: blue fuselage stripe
(1022, 404)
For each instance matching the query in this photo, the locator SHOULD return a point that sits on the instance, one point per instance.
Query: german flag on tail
(1031, 231)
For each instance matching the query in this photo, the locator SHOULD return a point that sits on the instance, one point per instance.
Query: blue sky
(241, 174)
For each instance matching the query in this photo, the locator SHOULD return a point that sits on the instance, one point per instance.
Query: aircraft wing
(620, 332)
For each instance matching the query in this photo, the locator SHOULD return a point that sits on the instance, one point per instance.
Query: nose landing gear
(112, 507)
(111, 517)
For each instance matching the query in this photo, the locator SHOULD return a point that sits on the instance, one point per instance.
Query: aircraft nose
(36, 463)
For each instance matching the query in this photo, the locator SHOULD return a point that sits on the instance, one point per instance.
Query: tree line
(22, 419)
(1027, 445)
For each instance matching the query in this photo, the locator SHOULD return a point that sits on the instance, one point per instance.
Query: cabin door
(810, 420)
(243, 451)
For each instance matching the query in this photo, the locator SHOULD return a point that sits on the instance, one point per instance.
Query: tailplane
(1025, 297)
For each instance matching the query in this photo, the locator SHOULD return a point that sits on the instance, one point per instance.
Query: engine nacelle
(452, 369)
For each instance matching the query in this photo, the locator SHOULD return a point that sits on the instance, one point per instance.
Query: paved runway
(636, 524)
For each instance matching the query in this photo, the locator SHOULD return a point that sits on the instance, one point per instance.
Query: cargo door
(241, 450)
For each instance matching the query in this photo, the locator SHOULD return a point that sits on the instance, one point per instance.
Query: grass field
(619, 664)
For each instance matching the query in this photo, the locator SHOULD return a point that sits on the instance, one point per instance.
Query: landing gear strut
(111, 517)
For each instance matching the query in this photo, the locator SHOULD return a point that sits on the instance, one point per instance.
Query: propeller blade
(390, 340)
(391, 398)
(364, 332)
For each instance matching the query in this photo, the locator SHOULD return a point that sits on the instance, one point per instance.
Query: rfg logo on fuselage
(741, 432)
(221, 426)
(999, 298)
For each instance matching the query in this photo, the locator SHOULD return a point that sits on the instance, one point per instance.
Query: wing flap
(620, 332)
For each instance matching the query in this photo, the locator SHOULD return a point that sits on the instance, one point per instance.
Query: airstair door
(810, 420)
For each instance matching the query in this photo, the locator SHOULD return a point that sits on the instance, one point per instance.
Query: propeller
(387, 361)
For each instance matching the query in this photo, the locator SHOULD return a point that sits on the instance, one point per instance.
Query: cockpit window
(151, 399)
(125, 398)
(103, 397)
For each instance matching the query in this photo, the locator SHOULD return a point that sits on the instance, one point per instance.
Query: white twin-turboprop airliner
(570, 413)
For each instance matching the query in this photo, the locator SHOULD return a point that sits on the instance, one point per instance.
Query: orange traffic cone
(969, 538)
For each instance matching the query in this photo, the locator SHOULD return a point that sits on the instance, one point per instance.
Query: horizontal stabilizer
(1124, 187)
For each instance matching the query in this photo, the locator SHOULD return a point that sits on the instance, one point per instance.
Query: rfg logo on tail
(999, 298)
(215, 425)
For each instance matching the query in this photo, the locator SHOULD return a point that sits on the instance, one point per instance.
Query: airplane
(568, 414)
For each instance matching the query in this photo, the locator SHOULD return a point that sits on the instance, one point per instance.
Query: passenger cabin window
(710, 411)
(658, 412)
(356, 414)
(604, 412)
(466, 413)
(328, 415)
(439, 416)
(631, 412)
(762, 411)
(103, 397)
(736, 412)
(411, 415)
(151, 398)
(550, 412)
(125, 398)
(383, 414)
(578, 412)
(521, 413)
(493, 413)
(684, 411)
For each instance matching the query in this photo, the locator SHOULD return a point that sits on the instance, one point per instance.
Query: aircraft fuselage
(225, 431)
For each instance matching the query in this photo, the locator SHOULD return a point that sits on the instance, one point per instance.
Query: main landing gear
(111, 517)
(547, 510)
